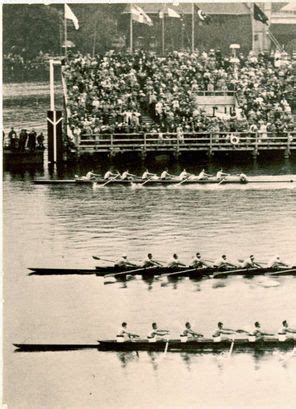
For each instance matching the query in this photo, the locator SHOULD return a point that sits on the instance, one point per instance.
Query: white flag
(173, 13)
(145, 19)
(71, 16)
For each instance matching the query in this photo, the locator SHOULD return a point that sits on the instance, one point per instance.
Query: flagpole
(193, 29)
(162, 31)
(252, 25)
(65, 36)
(131, 32)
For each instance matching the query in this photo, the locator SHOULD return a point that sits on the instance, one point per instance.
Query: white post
(51, 84)
(192, 29)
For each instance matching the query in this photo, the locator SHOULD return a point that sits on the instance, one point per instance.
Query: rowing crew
(165, 175)
(256, 333)
(222, 263)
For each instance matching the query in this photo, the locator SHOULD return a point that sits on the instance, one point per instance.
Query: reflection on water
(64, 226)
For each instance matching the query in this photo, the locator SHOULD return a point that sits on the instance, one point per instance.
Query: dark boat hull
(174, 345)
(165, 182)
(152, 272)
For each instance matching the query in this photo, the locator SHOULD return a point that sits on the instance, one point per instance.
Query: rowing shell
(164, 182)
(174, 345)
(156, 271)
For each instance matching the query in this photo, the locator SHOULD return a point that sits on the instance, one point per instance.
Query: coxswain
(276, 262)
(147, 175)
(285, 329)
(258, 332)
(188, 332)
(221, 175)
(123, 332)
(158, 333)
(223, 331)
(127, 176)
(124, 262)
(203, 175)
(109, 175)
(175, 262)
(198, 262)
(250, 263)
(243, 178)
(150, 262)
(165, 175)
(223, 264)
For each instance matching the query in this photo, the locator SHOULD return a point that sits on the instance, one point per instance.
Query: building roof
(209, 8)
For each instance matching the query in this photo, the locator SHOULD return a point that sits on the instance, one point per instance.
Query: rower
(223, 264)
(276, 262)
(127, 176)
(184, 175)
(157, 333)
(165, 175)
(109, 175)
(175, 262)
(90, 175)
(147, 175)
(286, 329)
(221, 175)
(124, 333)
(198, 262)
(258, 333)
(150, 262)
(223, 331)
(188, 332)
(203, 175)
(250, 263)
(243, 178)
(124, 262)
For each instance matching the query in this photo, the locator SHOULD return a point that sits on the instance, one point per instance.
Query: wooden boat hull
(175, 345)
(158, 271)
(229, 181)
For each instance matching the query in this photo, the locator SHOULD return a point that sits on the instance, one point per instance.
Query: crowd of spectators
(18, 66)
(112, 93)
(24, 141)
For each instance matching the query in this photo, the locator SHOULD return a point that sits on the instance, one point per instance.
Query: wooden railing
(198, 141)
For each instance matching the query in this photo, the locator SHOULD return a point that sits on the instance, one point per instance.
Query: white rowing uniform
(286, 330)
(125, 175)
(183, 175)
(202, 175)
(221, 262)
(164, 175)
(220, 175)
(188, 332)
(197, 262)
(159, 334)
(123, 262)
(145, 175)
(248, 263)
(150, 262)
(276, 262)
(89, 175)
(122, 332)
(175, 262)
(108, 175)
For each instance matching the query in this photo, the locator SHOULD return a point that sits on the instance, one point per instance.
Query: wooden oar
(128, 271)
(178, 272)
(182, 181)
(103, 259)
(233, 271)
(146, 181)
(282, 271)
(109, 180)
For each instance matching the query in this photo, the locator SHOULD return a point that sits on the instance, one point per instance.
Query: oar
(128, 271)
(109, 180)
(231, 347)
(146, 181)
(178, 272)
(222, 180)
(282, 271)
(233, 271)
(103, 259)
(182, 181)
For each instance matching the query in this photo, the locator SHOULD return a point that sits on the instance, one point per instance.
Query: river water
(67, 225)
